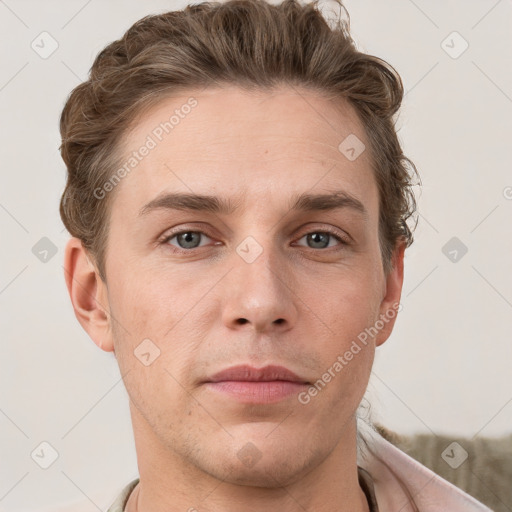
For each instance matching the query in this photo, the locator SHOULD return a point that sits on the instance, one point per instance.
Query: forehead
(258, 144)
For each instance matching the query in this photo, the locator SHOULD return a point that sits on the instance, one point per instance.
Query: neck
(169, 483)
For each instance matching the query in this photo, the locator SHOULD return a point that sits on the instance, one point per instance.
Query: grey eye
(187, 239)
(321, 240)
(318, 240)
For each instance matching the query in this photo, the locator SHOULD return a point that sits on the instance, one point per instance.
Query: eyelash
(344, 241)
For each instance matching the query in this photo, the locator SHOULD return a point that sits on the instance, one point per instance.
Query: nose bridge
(260, 295)
(259, 266)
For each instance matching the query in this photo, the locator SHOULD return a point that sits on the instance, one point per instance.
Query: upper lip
(250, 373)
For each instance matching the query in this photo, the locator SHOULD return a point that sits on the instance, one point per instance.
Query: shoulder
(401, 481)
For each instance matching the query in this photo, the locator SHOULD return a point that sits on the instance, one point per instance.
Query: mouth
(247, 373)
(248, 384)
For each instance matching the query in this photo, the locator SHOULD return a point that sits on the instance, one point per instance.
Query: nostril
(243, 321)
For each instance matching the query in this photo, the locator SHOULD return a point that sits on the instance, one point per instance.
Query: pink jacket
(430, 492)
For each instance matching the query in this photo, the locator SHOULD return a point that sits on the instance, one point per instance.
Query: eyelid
(199, 228)
(172, 234)
(320, 227)
(343, 238)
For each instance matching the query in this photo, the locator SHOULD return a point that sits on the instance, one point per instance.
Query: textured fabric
(391, 479)
(402, 483)
(486, 474)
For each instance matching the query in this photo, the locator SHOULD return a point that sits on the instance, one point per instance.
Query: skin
(260, 150)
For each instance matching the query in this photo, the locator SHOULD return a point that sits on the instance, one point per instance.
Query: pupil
(319, 238)
(188, 239)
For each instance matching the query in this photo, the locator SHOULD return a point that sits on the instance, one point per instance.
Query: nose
(259, 294)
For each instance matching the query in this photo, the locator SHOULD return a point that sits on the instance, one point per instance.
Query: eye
(322, 239)
(186, 239)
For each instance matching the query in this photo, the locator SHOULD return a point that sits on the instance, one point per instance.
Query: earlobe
(393, 291)
(88, 294)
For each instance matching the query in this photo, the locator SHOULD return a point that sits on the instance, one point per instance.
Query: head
(236, 194)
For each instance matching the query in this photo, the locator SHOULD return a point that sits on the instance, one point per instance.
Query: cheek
(154, 356)
(149, 301)
(158, 318)
(343, 344)
(350, 305)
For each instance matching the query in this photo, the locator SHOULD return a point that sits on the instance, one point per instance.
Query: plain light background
(446, 368)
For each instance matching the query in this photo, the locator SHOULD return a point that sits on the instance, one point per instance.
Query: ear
(88, 294)
(390, 304)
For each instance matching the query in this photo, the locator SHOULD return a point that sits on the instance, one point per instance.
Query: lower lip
(258, 391)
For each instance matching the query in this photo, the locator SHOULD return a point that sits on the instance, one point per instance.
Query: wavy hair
(249, 43)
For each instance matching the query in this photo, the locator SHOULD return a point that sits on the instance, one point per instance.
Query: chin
(272, 473)
(260, 462)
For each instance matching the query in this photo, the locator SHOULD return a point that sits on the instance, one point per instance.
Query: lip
(250, 385)
(248, 373)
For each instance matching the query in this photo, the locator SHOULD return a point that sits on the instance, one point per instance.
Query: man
(238, 200)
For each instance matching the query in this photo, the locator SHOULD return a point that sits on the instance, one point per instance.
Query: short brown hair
(249, 43)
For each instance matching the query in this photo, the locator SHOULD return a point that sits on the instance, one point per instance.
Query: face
(261, 272)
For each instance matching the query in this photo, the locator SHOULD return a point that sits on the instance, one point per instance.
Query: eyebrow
(214, 204)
